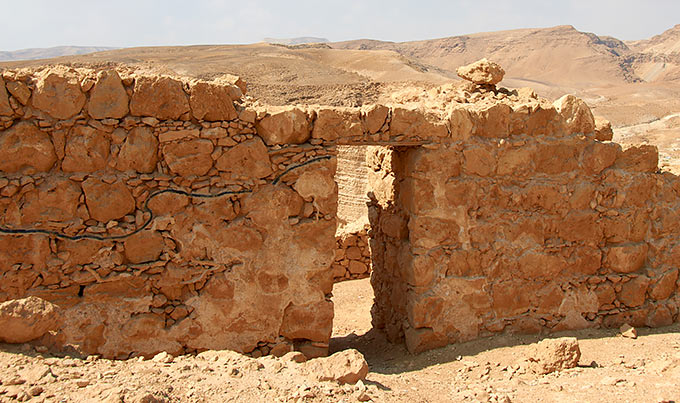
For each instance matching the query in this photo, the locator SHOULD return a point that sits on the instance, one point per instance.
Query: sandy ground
(612, 368)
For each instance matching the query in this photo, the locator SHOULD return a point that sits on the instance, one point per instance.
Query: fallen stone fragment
(163, 357)
(36, 390)
(611, 381)
(294, 356)
(346, 366)
(552, 355)
(23, 320)
(482, 72)
(628, 331)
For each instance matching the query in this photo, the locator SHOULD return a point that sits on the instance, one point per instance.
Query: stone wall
(157, 216)
(509, 230)
(160, 213)
(352, 256)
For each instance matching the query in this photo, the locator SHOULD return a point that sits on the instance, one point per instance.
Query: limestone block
(642, 158)
(311, 321)
(58, 93)
(108, 98)
(287, 126)
(374, 117)
(107, 202)
(626, 258)
(479, 161)
(139, 152)
(552, 355)
(56, 199)
(87, 150)
(248, 160)
(665, 285)
(576, 114)
(144, 246)
(347, 366)
(633, 293)
(23, 320)
(414, 122)
(492, 120)
(211, 102)
(600, 156)
(603, 129)
(189, 157)
(160, 97)
(19, 90)
(482, 71)
(557, 157)
(429, 232)
(333, 123)
(5, 108)
(25, 146)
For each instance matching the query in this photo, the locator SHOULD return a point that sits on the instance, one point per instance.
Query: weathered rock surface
(576, 114)
(5, 108)
(289, 126)
(189, 157)
(144, 246)
(23, 320)
(211, 102)
(108, 98)
(552, 355)
(87, 150)
(603, 129)
(19, 90)
(160, 97)
(332, 123)
(107, 202)
(57, 92)
(139, 152)
(482, 72)
(54, 200)
(248, 160)
(26, 146)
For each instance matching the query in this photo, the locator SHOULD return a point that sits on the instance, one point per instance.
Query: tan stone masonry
(164, 214)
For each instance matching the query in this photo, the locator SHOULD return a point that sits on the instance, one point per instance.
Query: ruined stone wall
(160, 213)
(157, 216)
(528, 224)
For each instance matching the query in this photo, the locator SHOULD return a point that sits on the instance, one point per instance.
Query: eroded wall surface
(168, 214)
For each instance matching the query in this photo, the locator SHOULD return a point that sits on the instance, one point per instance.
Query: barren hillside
(552, 59)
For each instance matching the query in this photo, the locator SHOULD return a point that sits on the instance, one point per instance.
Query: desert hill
(46, 53)
(296, 41)
(658, 58)
(553, 61)
(558, 59)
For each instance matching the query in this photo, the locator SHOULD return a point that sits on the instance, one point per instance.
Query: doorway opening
(363, 181)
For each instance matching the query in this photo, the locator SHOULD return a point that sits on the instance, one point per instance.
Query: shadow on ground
(388, 358)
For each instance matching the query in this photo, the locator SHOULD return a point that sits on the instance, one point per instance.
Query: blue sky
(123, 23)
